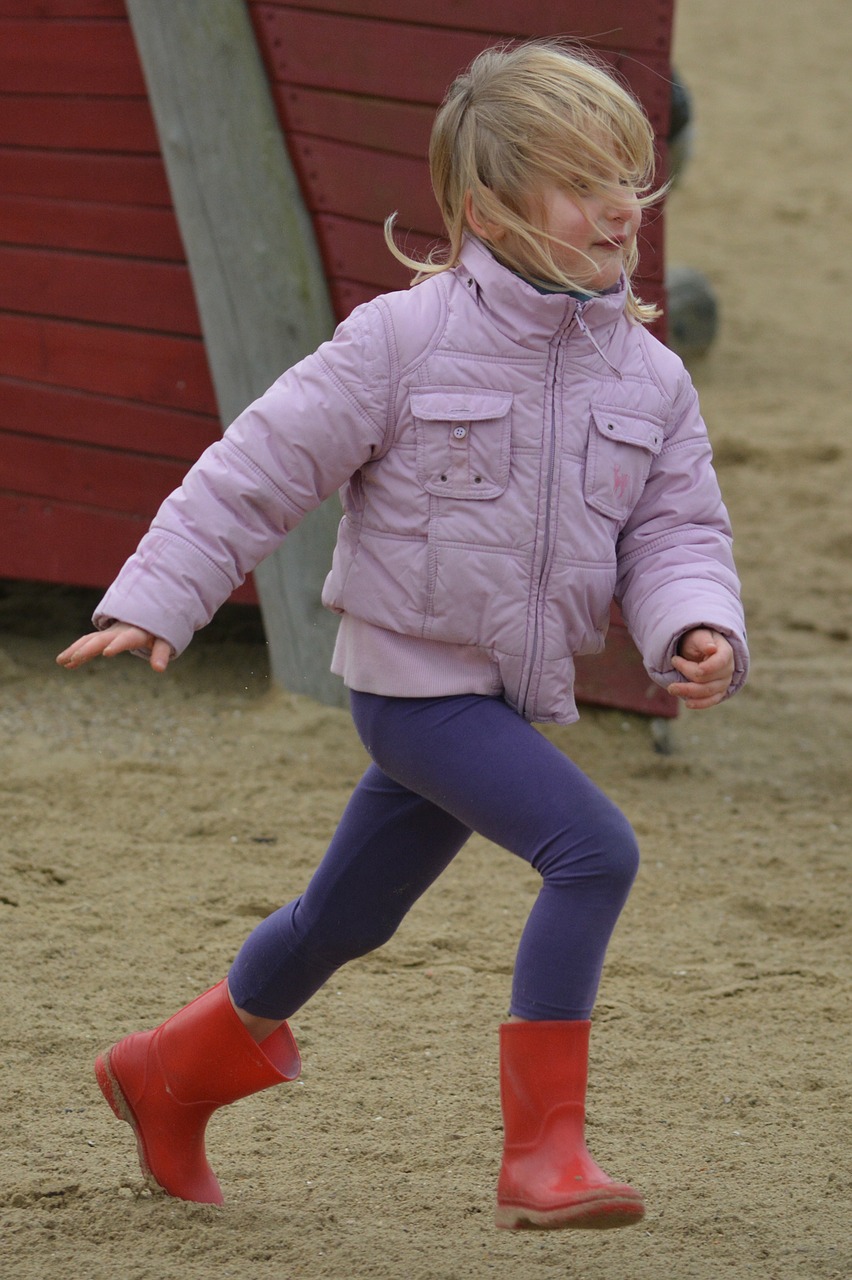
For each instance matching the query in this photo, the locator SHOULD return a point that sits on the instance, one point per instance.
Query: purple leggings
(445, 767)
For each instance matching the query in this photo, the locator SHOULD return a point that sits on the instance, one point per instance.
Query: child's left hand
(706, 662)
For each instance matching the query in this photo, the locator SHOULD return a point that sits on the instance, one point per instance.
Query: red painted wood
(56, 542)
(358, 250)
(92, 418)
(95, 59)
(86, 475)
(357, 183)
(105, 392)
(408, 64)
(358, 55)
(123, 230)
(59, 542)
(80, 175)
(114, 291)
(51, 9)
(366, 122)
(66, 123)
(150, 367)
(346, 295)
(612, 23)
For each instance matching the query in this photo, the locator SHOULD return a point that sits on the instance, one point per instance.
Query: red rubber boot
(166, 1084)
(548, 1178)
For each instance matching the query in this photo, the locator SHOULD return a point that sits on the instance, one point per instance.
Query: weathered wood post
(257, 274)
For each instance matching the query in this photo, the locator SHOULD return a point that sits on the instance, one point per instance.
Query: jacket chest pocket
(463, 441)
(621, 450)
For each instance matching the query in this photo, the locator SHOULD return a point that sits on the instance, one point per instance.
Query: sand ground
(149, 823)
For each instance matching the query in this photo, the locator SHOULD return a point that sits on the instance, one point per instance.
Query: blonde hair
(520, 119)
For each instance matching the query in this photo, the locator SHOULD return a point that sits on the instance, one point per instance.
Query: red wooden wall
(105, 391)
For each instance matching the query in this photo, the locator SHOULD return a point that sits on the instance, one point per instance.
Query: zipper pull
(584, 328)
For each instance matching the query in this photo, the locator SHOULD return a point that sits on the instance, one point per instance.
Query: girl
(513, 448)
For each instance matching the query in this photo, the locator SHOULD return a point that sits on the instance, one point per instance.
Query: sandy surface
(149, 823)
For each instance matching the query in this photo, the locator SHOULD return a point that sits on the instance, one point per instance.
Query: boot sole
(122, 1110)
(591, 1215)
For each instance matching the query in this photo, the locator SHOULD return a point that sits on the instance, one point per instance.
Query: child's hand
(118, 638)
(706, 662)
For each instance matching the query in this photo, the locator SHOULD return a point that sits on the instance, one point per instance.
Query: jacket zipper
(551, 467)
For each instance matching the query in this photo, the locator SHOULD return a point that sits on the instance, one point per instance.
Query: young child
(513, 449)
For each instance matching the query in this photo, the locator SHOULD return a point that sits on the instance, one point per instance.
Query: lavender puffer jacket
(508, 462)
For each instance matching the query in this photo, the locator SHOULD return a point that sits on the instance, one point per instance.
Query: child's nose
(621, 205)
(623, 202)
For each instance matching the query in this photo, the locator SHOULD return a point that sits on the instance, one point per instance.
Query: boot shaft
(207, 1054)
(542, 1065)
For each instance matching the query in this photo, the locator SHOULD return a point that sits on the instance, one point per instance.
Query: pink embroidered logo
(620, 482)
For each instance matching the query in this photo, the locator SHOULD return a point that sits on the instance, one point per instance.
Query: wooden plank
(349, 294)
(86, 475)
(131, 293)
(86, 417)
(130, 364)
(357, 250)
(81, 175)
(97, 59)
(83, 546)
(60, 122)
(58, 9)
(356, 55)
(74, 544)
(403, 61)
(259, 280)
(357, 183)
(124, 230)
(613, 23)
(368, 122)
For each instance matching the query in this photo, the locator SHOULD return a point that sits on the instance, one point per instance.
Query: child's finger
(161, 653)
(107, 643)
(699, 695)
(689, 670)
(121, 641)
(696, 653)
(82, 650)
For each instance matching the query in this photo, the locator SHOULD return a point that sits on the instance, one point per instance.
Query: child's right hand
(115, 639)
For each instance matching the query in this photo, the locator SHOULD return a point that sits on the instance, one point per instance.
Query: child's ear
(490, 232)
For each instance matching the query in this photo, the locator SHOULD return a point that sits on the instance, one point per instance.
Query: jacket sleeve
(288, 451)
(675, 563)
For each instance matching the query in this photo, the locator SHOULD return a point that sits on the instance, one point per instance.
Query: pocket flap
(619, 426)
(460, 406)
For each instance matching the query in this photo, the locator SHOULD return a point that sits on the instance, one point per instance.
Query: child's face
(595, 232)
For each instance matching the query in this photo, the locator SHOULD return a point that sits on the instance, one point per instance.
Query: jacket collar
(520, 311)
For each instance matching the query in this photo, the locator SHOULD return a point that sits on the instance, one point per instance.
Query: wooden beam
(258, 278)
